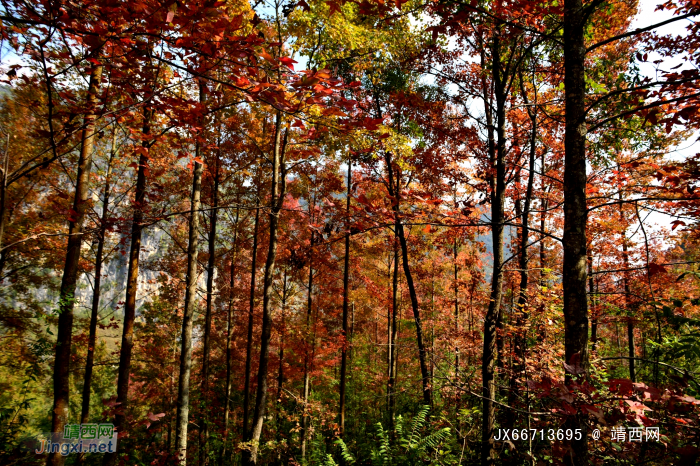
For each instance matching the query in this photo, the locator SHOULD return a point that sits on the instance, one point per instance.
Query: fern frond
(384, 447)
(399, 429)
(345, 452)
(434, 440)
(329, 461)
(418, 422)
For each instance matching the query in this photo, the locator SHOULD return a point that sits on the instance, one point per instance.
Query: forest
(349, 232)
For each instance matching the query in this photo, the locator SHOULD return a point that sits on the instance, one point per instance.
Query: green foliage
(403, 446)
(345, 452)
(318, 454)
(682, 349)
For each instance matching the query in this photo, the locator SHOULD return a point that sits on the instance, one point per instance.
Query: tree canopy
(325, 232)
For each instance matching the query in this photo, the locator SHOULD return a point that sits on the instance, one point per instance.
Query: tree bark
(543, 221)
(626, 284)
(280, 369)
(522, 312)
(346, 282)
(591, 291)
(206, 344)
(392, 336)
(388, 332)
(575, 214)
(183, 392)
(491, 320)
(61, 371)
(229, 332)
(3, 202)
(92, 338)
(395, 192)
(249, 339)
(456, 298)
(393, 186)
(307, 352)
(278, 189)
(124, 370)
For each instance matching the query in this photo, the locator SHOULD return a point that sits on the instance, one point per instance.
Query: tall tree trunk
(432, 327)
(124, 370)
(543, 221)
(455, 285)
(575, 214)
(394, 332)
(229, 332)
(522, 312)
(394, 186)
(591, 291)
(61, 370)
(3, 202)
(280, 369)
(626, 285)
(388, 334)
(171, 397)
(249, 339)
(204, 432)
(346, 282)
(456, 297)
(391, 401)
(307, 333)
(630, 347)
(92, 338)
(183, 392)
(277, 198)
(491, 320)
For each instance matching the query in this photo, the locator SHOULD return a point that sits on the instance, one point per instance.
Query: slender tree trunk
(204, 432)
(249, 340)
(277, 197)
(394, 185)
(229, 332)
(491, 320)
(307, 332)
(61, 371)
(280, 369)
(346, 282)
(391, 337)
(522, 311)
(456, 292)
(575, 214)
(432, 328)
(388, 336)
(183, 393)
(525, 223)
(183, 402)
(626, 285)
(3, 202)
(422, 354)
(376, 337)
(500, 340)
(591, 291)
(171, 396)
(394, 188)
(124, 370)
(543, 218)
(630, 347)
(394, 329)
(92, 338)
(280, 372)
